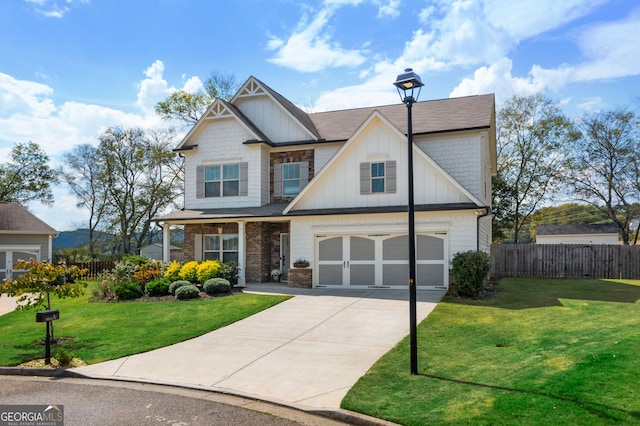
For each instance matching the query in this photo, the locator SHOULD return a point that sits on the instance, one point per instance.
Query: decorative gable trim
(220, 109)
(254, 87)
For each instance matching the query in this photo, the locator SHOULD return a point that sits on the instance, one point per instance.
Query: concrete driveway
(309, 350)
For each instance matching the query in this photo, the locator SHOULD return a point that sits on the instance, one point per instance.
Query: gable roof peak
(254, 86)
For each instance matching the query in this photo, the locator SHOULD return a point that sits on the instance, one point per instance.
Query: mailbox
(46, 316)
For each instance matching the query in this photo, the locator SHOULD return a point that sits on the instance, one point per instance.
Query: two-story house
(267, 183)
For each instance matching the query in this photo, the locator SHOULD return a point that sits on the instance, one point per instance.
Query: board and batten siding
(272, 119)
(221, 143)
(339, 187)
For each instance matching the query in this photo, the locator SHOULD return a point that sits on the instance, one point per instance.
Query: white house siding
(272, 119)
(339, 186)
(460, 154)
(222, 142)
(457, 227)
(323, 153)
(264, 175)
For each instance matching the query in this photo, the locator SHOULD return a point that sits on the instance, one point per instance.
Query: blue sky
(71, 68)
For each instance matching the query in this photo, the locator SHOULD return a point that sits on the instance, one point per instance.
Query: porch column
(166, 243)
(242, 254)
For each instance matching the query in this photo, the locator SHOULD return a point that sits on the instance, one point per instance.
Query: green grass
(539, 352)
(104, 331)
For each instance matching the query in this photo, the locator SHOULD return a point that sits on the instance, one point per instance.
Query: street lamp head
(409, 85)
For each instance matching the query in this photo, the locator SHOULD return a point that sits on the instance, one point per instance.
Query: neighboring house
(154, 252)
(577, 234)
(267, 183)
(22, 237)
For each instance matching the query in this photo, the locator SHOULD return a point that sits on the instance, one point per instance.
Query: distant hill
(80, 238)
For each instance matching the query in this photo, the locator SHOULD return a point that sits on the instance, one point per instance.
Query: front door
(284, 256)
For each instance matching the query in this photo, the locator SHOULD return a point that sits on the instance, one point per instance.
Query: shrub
(128, 290)
(229, 271)
(470, 269)
(63, 356)
(177, 284)
(216, 286)
(207, 270)
(135, 259)
(158, 287)
(189, 271)
(123, 271)
(146, 272)
(189, 291)
(172, 273)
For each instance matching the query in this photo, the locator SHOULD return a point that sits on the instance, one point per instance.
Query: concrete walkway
(7, 304)
(309, 350)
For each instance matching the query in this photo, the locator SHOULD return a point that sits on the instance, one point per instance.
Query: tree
(141, 177)
(567, 214)
(605, 167)
(27, 177)
(84, 170)
(532, 134)
(189, 107)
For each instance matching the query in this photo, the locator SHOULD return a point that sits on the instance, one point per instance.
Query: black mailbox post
(47, 316)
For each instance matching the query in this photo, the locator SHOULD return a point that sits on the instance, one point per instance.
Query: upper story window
(222, 180)
(289, 178)
(378, 177)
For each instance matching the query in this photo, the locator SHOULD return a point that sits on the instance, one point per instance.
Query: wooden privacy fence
(95, 268)
(565, 261)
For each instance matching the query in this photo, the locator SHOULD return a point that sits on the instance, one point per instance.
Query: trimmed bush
(216, 286)
(128, 290)
(172, 273)
(177, 284)
(189, 291)
(189, 271)
(470, 270)
(158, 287)
(229, 271)
(207, 270)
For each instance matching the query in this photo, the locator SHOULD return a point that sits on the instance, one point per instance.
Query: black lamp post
(409, 86)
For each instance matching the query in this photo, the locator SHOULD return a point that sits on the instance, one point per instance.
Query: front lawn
(539, 352)
(103, 331)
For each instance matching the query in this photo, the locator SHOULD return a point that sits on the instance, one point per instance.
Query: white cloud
(54, 8)
(153, 88)
(390, 9)
(309, 50)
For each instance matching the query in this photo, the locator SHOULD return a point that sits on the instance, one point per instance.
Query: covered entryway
(9, 255)
(380, 260)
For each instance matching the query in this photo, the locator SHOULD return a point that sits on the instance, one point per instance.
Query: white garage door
(9, 255)
(380, 260)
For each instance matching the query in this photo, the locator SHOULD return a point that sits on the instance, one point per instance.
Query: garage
(9, 256)
(380, 260)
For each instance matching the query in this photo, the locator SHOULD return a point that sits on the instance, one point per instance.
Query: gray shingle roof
(577, 229)
(470, 112)
(15, 219)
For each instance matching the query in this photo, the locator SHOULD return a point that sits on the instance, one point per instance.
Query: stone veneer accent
(300, 277)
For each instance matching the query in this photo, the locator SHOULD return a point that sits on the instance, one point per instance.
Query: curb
(345, 416)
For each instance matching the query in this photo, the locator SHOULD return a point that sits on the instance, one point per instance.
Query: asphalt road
(89, 402)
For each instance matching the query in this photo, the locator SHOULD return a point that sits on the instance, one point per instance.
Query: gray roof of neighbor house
(577, 229)
(15, 219)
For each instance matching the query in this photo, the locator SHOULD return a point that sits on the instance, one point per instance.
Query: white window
(222, 180)
(289, 178)
(220, 247)
(378, 177)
